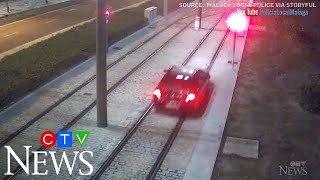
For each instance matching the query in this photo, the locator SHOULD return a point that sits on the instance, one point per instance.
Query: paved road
(23, 5)
(26, 30)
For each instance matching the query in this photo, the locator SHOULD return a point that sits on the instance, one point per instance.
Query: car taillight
(190, 97)
(157, 93)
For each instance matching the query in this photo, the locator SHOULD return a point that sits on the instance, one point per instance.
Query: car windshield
(178, 81)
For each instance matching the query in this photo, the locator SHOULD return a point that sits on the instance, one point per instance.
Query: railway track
(85, 83)
(88, 108)
(161, 156)
(155, 168)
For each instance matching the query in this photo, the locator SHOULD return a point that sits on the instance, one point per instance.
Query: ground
(265, 106)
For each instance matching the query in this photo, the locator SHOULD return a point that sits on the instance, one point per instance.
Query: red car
(183, 88)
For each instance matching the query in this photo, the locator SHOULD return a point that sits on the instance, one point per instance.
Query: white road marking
(72, 9)
(10, 34)
(51, 20)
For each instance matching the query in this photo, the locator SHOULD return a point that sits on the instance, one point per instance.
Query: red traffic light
(108, 11)
(237, 22)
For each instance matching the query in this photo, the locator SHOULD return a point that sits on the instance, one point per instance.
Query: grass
(26, 70)
(309, 97)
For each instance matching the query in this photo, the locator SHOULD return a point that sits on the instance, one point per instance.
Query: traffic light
(237, 22)
(108, 13)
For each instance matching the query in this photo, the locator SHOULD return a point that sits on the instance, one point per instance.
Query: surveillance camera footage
(160, 89)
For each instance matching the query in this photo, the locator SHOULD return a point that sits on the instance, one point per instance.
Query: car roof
(184, 70)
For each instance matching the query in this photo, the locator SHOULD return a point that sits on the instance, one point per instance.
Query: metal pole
(234, 46)
(200, 13)
(165, 7)
(278, 53)
(7, 3)
(101, 50)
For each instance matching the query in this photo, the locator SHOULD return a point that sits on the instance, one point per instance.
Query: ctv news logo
(296, 168)
(63, 138)
(48, 139)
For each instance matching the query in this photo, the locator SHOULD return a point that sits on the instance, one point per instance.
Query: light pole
(7, 4)
(197, 22)
(200, 13)
(234, 47)
(165, 7)
(101, 51)
(237, 23)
